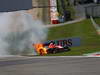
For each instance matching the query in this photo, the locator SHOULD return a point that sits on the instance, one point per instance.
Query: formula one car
(57, 49)
(41, 49)
(44, 48)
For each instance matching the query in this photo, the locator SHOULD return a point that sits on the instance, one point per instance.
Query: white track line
(97, 27)
(63, 56)
(25, 57)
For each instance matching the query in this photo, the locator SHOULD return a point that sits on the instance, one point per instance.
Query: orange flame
(40, 49)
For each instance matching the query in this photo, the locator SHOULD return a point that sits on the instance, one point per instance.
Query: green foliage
(68, 7)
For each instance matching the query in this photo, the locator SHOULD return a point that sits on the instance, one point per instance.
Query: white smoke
(18, 31)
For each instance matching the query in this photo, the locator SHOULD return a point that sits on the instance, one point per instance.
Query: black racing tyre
(68, 49)
(55, 51)
(49, 50)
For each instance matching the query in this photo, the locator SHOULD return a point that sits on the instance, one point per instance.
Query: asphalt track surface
(50, 66)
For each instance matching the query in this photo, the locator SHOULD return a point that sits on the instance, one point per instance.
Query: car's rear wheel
(55, 51)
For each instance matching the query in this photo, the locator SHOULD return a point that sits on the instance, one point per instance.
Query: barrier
(92, 10)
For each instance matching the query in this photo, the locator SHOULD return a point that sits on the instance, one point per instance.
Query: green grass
(97, 21)
(90, 41)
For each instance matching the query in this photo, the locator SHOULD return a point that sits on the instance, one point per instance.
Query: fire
(40, 49)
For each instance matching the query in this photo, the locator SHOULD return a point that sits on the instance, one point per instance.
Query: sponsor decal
(69, 42)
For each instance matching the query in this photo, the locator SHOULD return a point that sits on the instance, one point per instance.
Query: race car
(49, 48)
(57, 49)
(56, 46)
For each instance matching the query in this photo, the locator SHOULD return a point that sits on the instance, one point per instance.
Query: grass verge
(97, 20)
(90, 41)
